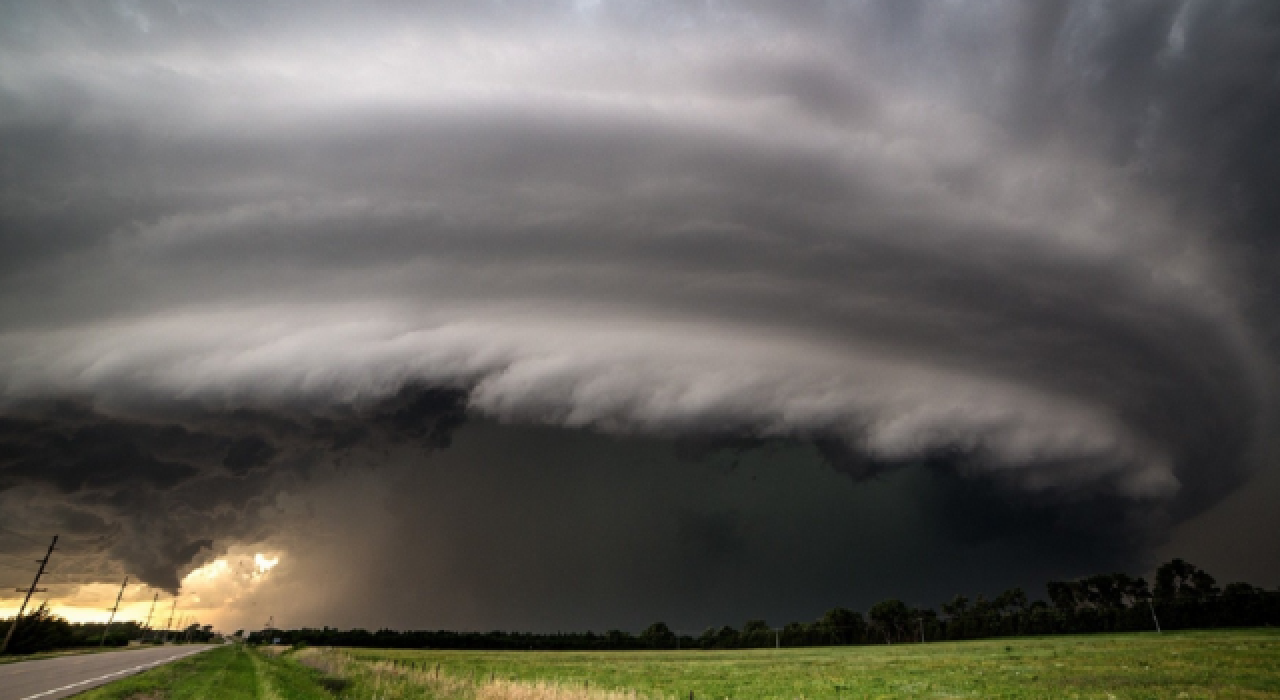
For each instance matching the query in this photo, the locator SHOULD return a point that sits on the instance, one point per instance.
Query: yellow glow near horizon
(73, 609)
(206, 592)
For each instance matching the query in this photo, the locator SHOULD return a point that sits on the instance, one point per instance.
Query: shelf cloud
(1026, 246)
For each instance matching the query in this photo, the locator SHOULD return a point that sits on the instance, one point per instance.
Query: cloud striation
(1026, 245)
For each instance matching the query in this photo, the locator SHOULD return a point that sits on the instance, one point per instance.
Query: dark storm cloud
(539, 528)
(1027, 244)
(165, 487)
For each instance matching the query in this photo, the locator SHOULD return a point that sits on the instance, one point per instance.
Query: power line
(113, 612)
(172, 608)
(151, 612)
(32, 589)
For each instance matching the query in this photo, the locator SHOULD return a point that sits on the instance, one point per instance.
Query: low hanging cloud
(1028, 243)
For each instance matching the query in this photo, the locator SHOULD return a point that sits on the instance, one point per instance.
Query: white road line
(108, 675)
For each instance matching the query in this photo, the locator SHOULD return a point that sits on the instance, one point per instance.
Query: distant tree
(925, 621)
(617, 639)
(727, 637)
(958, 605)
(1011, 601)
(891, 618)
(1181, 580)
(707, 640)
(800, 634)
(1063, 596)
(843, 626)
(658, 636)
(39, 630)
(1133, 590)
(756, 633)
(1240, 588)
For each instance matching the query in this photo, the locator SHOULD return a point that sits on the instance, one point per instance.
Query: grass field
(227, 673)
(1206, 664)
(1202, 664)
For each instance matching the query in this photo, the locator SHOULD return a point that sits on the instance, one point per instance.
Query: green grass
(1201, 664)
(230, 672)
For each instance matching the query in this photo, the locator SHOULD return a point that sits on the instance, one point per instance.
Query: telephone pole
(113, 612)
(147, 626)
(168, 624)
(33, 589)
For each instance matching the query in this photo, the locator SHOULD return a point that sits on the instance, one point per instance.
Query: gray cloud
(1027, 245)
(161, 489)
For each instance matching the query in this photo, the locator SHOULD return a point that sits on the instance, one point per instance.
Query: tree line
(41, 630)
(1183, 597)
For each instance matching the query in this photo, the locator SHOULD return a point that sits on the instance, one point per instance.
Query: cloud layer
(1029, 242)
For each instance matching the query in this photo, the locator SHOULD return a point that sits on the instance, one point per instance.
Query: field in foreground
(231, 672)
(1201, 664)
(1209, 664)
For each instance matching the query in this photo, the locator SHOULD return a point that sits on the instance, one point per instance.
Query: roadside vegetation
(231, 672)
(1202, 664)
(40, 631)
(1216, 664)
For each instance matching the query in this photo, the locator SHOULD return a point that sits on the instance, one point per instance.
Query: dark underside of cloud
(535, 528)
(686, 299)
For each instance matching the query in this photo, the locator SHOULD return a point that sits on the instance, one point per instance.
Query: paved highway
(64, 676)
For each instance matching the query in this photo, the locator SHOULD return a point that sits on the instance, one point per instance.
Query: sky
(584, 314)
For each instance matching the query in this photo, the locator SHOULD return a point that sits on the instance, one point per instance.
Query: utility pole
(168, 624)
(113, 612)
(147, 626)
(36, 581)
(1153, 615)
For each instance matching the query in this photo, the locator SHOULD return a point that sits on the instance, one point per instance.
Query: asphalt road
(64, 676)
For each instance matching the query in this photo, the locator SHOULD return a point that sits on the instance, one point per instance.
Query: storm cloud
(1015, 257)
